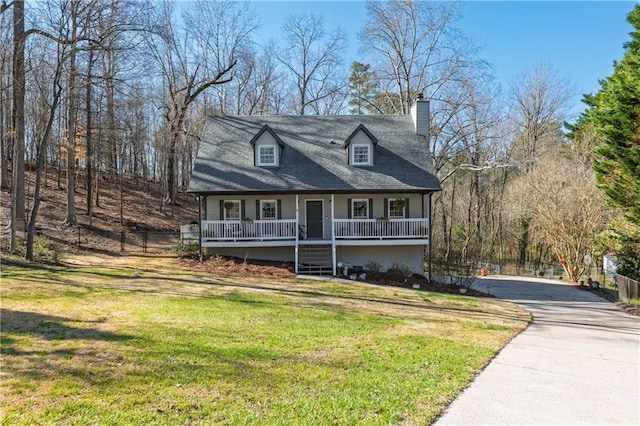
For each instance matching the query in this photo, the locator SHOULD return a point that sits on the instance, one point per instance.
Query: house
(325, 192)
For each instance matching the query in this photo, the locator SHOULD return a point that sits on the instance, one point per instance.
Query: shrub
(399, 272)
(373, 266)
(41, 246)
(186, 249)
(44, 248)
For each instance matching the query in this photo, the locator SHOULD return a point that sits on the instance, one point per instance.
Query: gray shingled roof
(309, 161)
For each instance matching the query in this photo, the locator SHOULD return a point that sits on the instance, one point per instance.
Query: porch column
(200, 255)
(333, 235)
(429, 241)
(297, 230)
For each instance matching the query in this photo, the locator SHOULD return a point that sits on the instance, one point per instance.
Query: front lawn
(143, 340)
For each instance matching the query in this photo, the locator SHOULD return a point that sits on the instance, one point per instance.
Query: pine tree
(615, 114)
(361, 88)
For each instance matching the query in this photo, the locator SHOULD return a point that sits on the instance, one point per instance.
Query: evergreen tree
(615, 114)
(361, 88)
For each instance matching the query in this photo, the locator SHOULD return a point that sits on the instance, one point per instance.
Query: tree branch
(475, 168)
(4, 6)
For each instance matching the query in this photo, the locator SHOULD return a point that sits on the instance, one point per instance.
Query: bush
(373, 266)
(399, 272)
(43, 248)
(186, 249)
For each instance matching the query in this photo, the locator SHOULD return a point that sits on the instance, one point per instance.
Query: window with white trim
(360, 155)
(231, 209)
(360, 209)
(267, 155)
(268, 209)
(396, 208)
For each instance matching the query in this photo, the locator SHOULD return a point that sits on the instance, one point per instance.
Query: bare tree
(415, 47)
(540, 100)
(312, 58)
(256, 79)
(564, 208)
(194, 58)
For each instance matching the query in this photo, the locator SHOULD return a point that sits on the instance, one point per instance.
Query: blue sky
(581, 39)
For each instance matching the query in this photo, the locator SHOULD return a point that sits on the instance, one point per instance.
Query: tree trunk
(174, 137)
(5, 125)
(112, 147)
(523, 242)
(89, 137)
(40, 164)
(71, 219)
(17, 199)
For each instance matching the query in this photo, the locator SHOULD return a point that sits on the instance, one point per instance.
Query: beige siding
(288, 205)
(281, 254)
(415, 204)
(386, 256)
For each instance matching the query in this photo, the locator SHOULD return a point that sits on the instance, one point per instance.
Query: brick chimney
(420, 115)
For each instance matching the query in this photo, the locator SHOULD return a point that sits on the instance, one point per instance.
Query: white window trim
(353, 155)
(389, 209)
(262, 203)
(353, 210)
(259, 155)
(225, 210)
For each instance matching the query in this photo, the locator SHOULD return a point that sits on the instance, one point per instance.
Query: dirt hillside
(133, 207)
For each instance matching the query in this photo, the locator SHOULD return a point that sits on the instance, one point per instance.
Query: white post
(297, 231)
(333, 235)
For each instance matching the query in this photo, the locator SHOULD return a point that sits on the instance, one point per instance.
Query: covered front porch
(302, 221)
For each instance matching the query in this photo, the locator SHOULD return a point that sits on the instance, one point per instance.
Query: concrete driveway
(578, 363)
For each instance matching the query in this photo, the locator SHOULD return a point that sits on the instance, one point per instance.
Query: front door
(314, 220)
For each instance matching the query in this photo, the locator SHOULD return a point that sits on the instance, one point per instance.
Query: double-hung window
(231, 210)
(360, 209)
(360, 155)
(268, 209)
(267, 155)
(396, 208)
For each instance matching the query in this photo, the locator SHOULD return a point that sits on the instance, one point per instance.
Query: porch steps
(315, 260)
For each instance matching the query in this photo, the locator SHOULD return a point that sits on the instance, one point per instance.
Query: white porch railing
(381, 229)
(234, 230)
(285, 229)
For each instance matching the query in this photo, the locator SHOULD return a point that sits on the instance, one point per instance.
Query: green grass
(95, 345)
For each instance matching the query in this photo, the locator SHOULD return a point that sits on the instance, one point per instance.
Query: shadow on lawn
(49, 327)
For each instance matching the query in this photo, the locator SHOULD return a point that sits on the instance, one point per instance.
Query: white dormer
(360, 147)
(267, 147)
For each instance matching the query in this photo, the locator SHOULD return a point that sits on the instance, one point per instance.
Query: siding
(411, 256)
(288, 205)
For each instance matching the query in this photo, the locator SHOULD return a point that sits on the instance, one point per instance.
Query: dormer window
(267, 147)
(360, 145)
(360, 155)
(267, 155)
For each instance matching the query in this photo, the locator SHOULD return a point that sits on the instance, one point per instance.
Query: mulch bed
(392, 278)
(234, 265)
